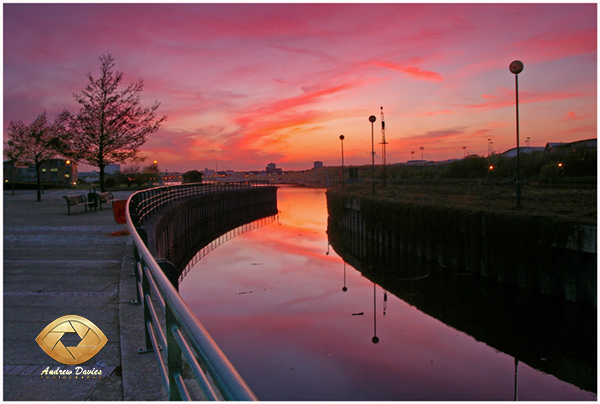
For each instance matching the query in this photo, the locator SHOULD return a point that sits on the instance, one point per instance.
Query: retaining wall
(553, 257)
(178, 231)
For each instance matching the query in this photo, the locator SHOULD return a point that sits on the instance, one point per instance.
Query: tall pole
(383, 149)
(372, 119)
(342, 140)
(516, 67)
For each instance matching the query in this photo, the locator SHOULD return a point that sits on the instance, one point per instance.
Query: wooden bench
(76, 200)
(106, 197)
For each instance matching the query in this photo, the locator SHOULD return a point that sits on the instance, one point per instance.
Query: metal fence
(178, 333)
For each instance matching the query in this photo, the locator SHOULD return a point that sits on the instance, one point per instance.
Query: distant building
(191, 177)
(318, 164)
(416, 162)
(209, 173)
(590, 143)
(513, 152)
(272, 169)
(89, 176)
(551, 147)
(52, 170)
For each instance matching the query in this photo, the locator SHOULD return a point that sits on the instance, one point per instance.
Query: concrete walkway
(57, 265)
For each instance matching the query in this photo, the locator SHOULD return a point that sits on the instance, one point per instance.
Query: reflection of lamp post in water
(384, 301)
(516, 67)
(372, 119)
(342, 141)
(375, 339)
(344, 289)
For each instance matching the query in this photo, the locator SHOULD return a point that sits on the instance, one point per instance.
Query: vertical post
(342, 141)
(174, 362)
(518, 145)
(516, 67)
(147, 315)
(372, 119)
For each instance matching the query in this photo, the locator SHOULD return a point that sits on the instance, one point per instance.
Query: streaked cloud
(248, 84)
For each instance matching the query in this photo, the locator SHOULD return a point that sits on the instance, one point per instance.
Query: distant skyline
(244, 85)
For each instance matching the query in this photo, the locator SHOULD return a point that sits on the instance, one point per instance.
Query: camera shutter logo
(90, 341)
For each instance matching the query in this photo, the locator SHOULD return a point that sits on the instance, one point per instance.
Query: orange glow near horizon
(244, 85)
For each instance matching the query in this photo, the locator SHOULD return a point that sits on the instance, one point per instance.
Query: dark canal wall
(550, 256)
(181, 229)
(544, 332)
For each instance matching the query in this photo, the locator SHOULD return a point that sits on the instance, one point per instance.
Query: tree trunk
(38, 167)
(102, 185)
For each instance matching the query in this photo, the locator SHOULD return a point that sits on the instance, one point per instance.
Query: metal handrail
(184, 337)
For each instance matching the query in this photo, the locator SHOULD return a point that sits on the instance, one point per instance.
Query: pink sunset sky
(244, 85)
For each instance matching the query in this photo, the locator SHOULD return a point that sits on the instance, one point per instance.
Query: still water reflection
(273, 300)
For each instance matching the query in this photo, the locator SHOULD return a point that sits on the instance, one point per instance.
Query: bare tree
(111, 125)
(35, 143)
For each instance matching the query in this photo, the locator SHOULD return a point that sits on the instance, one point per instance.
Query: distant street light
(465, 149)
(515, 68)
(422, 148)
(372, 119)
(413, 155)
(527, 139)
(342, 141)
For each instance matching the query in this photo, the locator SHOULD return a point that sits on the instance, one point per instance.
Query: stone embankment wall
(536, 253)
(180, 230)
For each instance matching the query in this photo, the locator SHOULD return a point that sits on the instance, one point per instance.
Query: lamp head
(516, 67)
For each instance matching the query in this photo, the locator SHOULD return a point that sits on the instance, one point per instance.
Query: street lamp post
(422, 148)
(516, 67)
(372, 119)
(342, 141)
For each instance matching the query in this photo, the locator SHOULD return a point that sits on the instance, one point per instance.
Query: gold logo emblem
(71, 340)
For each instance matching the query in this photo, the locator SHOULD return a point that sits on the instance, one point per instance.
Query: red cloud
(415, 72)
(267, 121)
(506, 98)
(433, 113)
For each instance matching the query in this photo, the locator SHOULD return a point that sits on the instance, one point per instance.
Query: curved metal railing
(178, 333)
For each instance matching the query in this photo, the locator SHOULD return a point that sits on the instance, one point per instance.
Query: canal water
(299, 323)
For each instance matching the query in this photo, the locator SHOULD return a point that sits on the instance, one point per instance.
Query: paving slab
(55, 264)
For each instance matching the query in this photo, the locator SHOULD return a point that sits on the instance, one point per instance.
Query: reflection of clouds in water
(301, 341)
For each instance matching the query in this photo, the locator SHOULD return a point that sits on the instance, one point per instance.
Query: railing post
(174, 361)
(147, 315)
